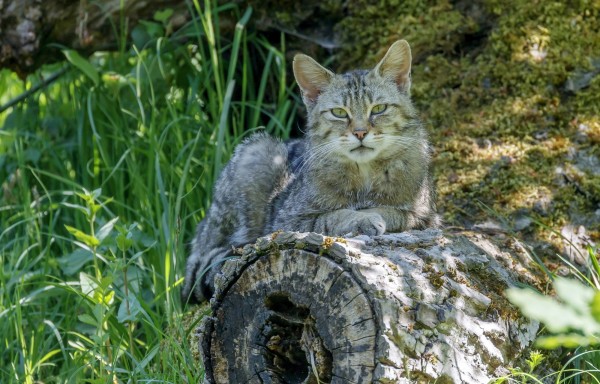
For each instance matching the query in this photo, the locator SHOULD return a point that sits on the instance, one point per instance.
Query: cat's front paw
(362, 223)
(371, 224)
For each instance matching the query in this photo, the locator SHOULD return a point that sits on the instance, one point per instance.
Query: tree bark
(411, 307)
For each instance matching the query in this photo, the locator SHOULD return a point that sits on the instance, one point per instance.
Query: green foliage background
(105, 174)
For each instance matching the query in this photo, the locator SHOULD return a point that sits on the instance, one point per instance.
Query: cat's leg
(297, 214)
(375, 221)
(345, 221)
(398, 219)
(419, 214)
(238, 212)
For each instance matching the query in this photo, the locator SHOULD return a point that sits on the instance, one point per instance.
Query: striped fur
(365, 173)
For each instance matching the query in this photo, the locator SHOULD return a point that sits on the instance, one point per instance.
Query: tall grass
(104, 175)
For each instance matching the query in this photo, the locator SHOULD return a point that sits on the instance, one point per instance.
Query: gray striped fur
(324, 182)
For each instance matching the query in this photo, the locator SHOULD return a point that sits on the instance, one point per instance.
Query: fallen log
(412, 307)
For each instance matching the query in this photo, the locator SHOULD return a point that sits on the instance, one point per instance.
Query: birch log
(412, 307)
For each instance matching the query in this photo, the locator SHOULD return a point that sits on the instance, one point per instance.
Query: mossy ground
(510, 93)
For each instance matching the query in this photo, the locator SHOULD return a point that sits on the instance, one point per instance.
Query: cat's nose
(360, 133)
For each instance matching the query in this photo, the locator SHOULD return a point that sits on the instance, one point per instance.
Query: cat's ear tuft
(395, 65)
(311, 77)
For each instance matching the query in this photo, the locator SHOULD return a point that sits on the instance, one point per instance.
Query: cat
(363, 167)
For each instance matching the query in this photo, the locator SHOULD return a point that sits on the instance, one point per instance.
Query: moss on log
(412, 307)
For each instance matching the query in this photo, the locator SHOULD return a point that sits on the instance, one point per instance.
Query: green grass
(105, 174)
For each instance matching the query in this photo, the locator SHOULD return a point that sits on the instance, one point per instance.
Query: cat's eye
(339, 112)
(379, 108)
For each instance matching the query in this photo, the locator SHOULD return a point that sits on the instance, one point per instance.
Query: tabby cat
(362, 168)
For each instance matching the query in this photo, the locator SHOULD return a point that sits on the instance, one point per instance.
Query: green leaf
(106, 281)
(88, 284)
(94, 208)
(87, 319)
(88, 240)
(134, 280)
(74, 261)
(558, 317)
(569, 340)
(129, 310)
(163, 16)
(145, 32)
(124, 242)
(82, 64)
(595, 307)
(140, 237)
(96, 193)
(106, 229)
(535, 358)
(105, 299)
(99, 312)
(32, 154)
(574, 293)
(140, 37)
(85, 197)
(81, 208)
(48, 355)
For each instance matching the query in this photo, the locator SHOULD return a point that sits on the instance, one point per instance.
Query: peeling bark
(411, 307)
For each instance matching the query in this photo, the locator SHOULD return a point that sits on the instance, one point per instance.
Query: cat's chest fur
(360, 186)
(365, 177)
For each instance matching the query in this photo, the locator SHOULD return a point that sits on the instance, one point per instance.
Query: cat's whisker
(316, 156)
(407, 140)
(399, 140)
(317, 153)
(316, 150)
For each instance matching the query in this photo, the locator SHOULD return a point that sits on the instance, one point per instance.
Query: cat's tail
(200, 273)
(238, 215)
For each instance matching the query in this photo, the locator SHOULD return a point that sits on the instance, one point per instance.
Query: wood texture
(412, 307)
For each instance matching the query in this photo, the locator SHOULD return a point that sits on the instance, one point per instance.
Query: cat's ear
(311, 77)
(395, 65)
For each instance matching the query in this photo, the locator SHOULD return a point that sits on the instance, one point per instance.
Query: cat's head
(360, 115)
